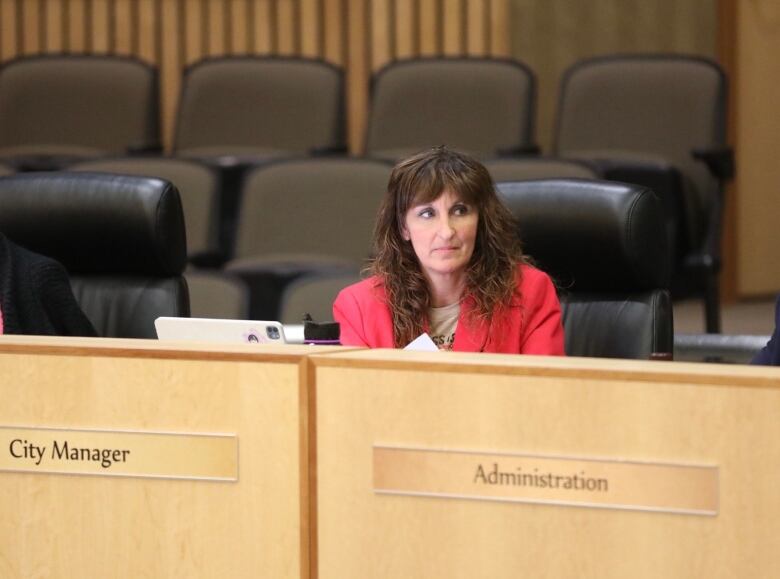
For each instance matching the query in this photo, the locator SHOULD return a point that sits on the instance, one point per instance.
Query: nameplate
(521, 478)
(119, 453)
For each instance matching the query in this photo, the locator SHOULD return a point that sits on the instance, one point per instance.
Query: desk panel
(65, 525)
(718, 417)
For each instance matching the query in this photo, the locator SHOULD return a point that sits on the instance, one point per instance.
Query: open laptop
(216, 330)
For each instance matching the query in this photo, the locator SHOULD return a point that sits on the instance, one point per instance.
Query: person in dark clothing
(36, 297)
(770, 354)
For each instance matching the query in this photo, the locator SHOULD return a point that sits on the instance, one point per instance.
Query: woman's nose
(446, 230)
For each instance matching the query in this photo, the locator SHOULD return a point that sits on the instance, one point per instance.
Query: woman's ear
(405, 233)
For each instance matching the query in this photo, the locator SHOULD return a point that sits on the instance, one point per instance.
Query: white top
(443, 323)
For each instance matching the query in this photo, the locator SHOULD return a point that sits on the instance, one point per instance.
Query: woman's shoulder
(532, 276)
(369, 288)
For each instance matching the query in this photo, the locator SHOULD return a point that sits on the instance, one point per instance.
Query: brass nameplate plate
(119, 453)
(582, 482)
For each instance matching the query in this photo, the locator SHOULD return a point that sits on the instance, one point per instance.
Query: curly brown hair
(491, 274)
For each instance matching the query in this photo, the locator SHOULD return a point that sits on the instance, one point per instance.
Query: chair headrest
(592, 235)
(96, 222)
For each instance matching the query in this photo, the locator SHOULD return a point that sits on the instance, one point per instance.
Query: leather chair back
(121, 238)
(603, 243)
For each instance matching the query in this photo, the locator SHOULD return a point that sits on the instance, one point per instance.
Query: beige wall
(550, 35)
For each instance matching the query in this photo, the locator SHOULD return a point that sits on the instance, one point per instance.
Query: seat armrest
(720, 162)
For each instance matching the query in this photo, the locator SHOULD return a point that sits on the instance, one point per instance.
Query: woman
(448, 262)
(35, 295)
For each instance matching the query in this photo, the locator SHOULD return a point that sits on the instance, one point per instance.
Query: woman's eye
(426, 213)
(460, 210)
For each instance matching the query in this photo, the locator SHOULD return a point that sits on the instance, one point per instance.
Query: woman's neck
(446, 289)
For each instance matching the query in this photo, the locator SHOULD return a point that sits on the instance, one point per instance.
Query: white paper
(422, 343)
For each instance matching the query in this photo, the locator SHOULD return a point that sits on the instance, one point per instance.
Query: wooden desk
(724, 418)
(64, 525)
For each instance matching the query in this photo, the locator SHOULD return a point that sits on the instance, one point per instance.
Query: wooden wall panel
(100, 26)
(76, 33)
(31, 26)
(122, 29)
(430, 28)
(454, 27)
(53, 22)
(310, 28)
(263, 27)
(286, 25)
(383, 45)
(360, 35)
(405, 28)
(8, 33)
(239, 27)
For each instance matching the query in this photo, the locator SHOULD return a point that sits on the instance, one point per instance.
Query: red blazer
(530, 325)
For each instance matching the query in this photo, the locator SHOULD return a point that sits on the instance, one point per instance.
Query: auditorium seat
(121, 238)
(216, 294)
(314, 295)
(197, 186)
(57, 109)
(259, 107)
(481, 106)
(603, 244)
(236, 112)
(304, 216)
(659, 121)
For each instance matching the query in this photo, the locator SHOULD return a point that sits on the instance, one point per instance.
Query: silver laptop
(215, 330)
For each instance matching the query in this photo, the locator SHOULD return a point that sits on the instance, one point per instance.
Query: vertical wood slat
(123, 24)
(170, 67)
(334, 14)
(405, 28)
(286, 26)
(100, 26)
(239, 27)
(499, 28)
(147, 39)
(310, 28)
(8, 36)
(53, 26)
(192, 25)
(264, 37)
(430, 28)
(382, 32)
(453, 15)
(76, 37)
(477, 37)
(31, 39)
(357, 75)
(216, 26)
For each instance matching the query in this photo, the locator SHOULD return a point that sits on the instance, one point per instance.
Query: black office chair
(121, 238)
(197, 185)
(603, 243)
